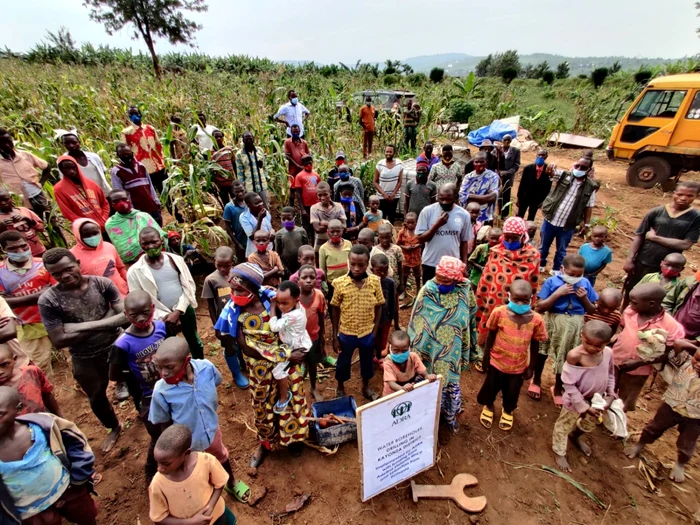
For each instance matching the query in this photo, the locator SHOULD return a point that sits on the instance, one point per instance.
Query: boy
(322, 213)
(393, 253)
(22, 220)
(34, 389)
(411, 248)
(596, 253)
(645, 313)
(305, 184)
(232, 213)
(474, 210)
(255, 218)
(480, 255)
(188, 485)
(373, 217)
(186, 394)
(366, 238)
(421, 193)
(531, 232)
(670, 278)
(607, 309)
(403, 368)
(588, 370)
(307, 257)
(268, 260)
(334, 254)
(681, 407)
(47, 468)
(515, 334)
(356, 310)
(131, 359)
(314, 303)
(347, 201)
(217, 291)
(288, 241)
(390, 309)
(566, 297)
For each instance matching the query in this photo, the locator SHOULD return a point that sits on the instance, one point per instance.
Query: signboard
(397, 436)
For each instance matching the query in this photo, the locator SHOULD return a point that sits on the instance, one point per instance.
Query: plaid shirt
(357, 304)
(251, 174)
(568, 203)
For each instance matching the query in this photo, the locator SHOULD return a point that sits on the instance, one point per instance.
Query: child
(315, 305)
(411, 248)
(267, 259)
(253, 219)
(307, 257)
(390, 309)
(188, 485)
(334, 254)
(403, 368)
(510, 352)
(645, 314)
(348, 202)
(393, 253)
(292, 332)
(681, 407)
(588, 370)
(35, 390)
(288, 241)
(607, 309)
(322, 213)
(474, 210)
(480, 255)
(373, 217)
(421, 193)
(305, 184)
(131, 360)
(23, 220)
(566, 297)
(217, 292)
(356, 311)
(531, 232)
(366, 238)
(596, 253)
(186, 394)
(669, 277)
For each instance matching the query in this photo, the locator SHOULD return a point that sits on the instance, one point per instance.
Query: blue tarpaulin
(494, 131)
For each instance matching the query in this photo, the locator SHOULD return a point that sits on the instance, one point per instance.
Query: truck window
(694, 111)
(659, 104)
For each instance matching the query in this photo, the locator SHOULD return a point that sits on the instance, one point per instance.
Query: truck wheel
(647, 172)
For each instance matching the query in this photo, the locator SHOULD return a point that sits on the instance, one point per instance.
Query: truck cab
(659, 136)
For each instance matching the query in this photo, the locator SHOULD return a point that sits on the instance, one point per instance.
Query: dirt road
(506, 465)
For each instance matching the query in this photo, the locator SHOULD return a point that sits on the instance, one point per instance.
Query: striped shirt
(511, 350)
(568, 203)
(389, 178)
(612, 319)
(334, 261)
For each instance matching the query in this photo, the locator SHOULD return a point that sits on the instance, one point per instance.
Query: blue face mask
(344, 175)
(519, 309)
(399, 358)
(539, 161)
(346, 200)
(446, 288)
(515, 245)
(19, 257)
(136, 119)
(295, 136)
(93, 241)
(295, 101)
(578, 173)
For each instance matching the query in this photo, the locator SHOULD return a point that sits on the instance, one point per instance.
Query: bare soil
(507, 465)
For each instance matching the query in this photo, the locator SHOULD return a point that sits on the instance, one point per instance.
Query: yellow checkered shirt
(357, 304)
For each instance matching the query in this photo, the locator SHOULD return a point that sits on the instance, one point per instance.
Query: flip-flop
(240, 491)
(506, 422)
(486, 417)
(558, 400)
(279, 409)
(479, 366)
(536, 390)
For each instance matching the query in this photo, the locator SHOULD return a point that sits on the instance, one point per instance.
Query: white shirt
(292, 328)
(204, 138)
(293, 115)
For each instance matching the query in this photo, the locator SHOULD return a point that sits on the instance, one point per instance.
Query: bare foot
(111, 439)
(581, 445)
(316, 395)
(563, 464)
(633, 451)
(677, 473)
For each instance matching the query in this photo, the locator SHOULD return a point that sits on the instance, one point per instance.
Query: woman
(440, 331)
(246, 317)
(387, 181)
(508, 261)
(77, 196)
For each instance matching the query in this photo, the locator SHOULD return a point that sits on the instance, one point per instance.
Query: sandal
(486, 417)
(506, 422)
(279, 409)
(534, 391)
(558, 400)
(479, 366)
(240, 491)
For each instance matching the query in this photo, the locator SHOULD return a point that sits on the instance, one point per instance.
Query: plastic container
(336, 434)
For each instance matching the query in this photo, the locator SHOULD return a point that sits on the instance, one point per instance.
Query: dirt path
(505, 464)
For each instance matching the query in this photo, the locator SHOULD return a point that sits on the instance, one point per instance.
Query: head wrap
(451, 268)
(251, 273)
(516, 225)
(60, 133)
(507, 136)
(423, 163)
(174, 235)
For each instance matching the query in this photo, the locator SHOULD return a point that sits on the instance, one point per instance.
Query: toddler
(34, 389)
(531, 232)
(607, 309)
(373, 217)
(474, 210)
(596, 253)
(268, 260)
(410, 248)
(480, 255)
(403, 368)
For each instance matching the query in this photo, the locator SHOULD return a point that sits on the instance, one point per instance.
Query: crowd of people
(123, 302)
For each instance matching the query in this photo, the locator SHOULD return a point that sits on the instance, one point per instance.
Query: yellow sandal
(486, 417)
(506, 422)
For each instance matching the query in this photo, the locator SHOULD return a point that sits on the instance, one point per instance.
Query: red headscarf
(451, 268)
(517, 226)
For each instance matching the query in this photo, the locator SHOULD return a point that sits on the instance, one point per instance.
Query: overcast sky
(374, 30)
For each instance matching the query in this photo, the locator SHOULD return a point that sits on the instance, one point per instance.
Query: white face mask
(568, 279)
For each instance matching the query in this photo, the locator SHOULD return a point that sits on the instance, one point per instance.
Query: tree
(503, 61)
(541, 69)
(391, 67)
(437, 74)
(151, 19)
(615, 67)
(599, 75)
(548, 77)
(642, 76)
(509, 74)
(484, 66)
(563, 70)
(406, 69)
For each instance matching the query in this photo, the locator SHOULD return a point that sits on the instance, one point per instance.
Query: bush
(460, 110)
(548, 77)
(563, 70)
(437, 74)
(391, 80)
(417, 79)
(583, 76)
(642, 77)
(599, 75)
(509, 74)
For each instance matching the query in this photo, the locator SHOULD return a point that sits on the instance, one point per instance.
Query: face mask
(136, 119)
(174, 380)
(308, 167)
(368, 104)
(288, 225)
(242, 300)
(399, 358)
(568, 279)
(670, 272)
(446, 288)
(515, 245)
(154, 253)
(539, 161)
(344, 175)
(19, 257)
(447, 207)
(145, 324)
(295, 136)
(261, 248)
(354, 277)
(479, 169)
(295, 101)
(519, 309)
(127, 161)
(346, 200)
(94, 241)
(421, 176)
(339, 162)
(578, 173)
(335, 238)
(122, 207)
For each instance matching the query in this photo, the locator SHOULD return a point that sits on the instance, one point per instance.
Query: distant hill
(460, 64)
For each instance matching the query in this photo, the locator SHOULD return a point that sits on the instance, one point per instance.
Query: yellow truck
(660, 133)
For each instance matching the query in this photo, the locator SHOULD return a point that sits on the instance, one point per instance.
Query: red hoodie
(88, 202)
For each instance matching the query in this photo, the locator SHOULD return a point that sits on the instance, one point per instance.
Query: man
(333, 174)
(255, 217)
(224, 156)
(167, 279)
(411, 118)
(294, 150)
(132, 176)
(568, 205)
(481, 186)
(24, 174)
(534, 186)
(293, 112)
(90, 163)
(494, 158)
(445, 229)
(178, 147)
(232, 212)
(78, 197)
(447, 171)
(204, 133)
(511, 165)
(358, 192)
(367, 121)
(23, 279)
(124, 226)
(84, 313)
(428, 156)
(23, 220)
(305, 187)
(250, 167)
(144, 143)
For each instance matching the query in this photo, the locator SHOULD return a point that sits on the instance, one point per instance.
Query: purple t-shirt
(137, 353)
